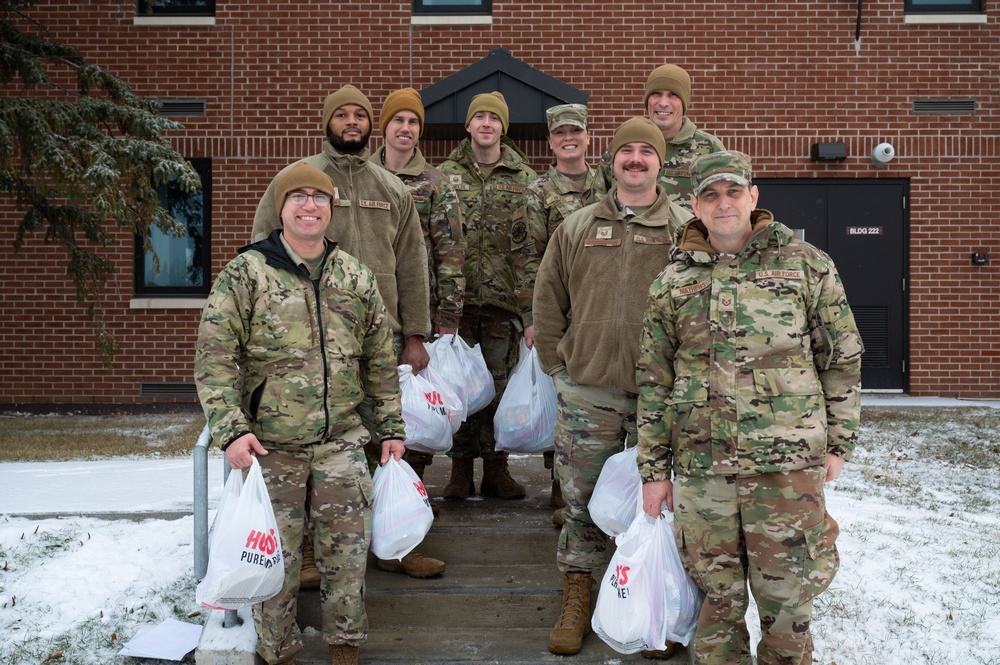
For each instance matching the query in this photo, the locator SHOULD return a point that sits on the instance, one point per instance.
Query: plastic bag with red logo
(401, 511)
(245, 564)
(428, 410)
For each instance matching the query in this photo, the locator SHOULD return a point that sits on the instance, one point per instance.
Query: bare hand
(414, 354)
(834, 465)
(241, 452)
(654, 494)
(441, 330)
(393, 448)
(529, 336)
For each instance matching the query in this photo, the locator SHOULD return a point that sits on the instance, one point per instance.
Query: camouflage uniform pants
(591, 426)
(771, 529)
(497, 333)
(333, 478)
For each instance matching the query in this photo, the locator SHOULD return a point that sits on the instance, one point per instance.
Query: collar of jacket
(416, 166)
(346, 162)
(693, 238)
(686, 132)
(566, 185)
(658, 214)
(275, 254)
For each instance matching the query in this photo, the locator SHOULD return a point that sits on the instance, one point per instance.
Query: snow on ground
(918, 583)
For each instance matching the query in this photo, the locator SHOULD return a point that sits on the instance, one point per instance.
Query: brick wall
(769, 78)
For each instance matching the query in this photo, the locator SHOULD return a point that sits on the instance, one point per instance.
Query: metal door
(863, 225)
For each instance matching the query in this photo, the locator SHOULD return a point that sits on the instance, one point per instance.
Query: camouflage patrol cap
(567, 114)
(728, 165)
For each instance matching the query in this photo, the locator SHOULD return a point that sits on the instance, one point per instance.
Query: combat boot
(661, 654)
(413, 564)
(555, 497)
(574, 618)
(461, 485)
(557, 517)
(498, 482)
(343, 654)
(309, 575)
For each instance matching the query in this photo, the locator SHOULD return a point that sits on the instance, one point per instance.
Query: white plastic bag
(525, 420)
(480, 389)
(401, 511)
(449, 397)
(646, 596)
(425, 415)
(446, 358)
(245, 564)
(613, 504)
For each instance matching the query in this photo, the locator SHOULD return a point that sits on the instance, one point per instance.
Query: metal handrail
(200, 510)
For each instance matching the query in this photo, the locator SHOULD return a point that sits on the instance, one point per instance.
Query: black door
(862, 225)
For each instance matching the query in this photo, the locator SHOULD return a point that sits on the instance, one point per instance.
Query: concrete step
(498, 599)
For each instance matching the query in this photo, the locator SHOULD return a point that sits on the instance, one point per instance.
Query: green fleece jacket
(374, 220)
(598, 266)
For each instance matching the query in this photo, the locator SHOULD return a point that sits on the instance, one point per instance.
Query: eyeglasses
(299, 199)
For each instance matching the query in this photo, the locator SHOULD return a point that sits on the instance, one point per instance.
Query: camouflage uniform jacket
(374, 220)
(551, 199)
(749, 364)
(500, 258)
(675, 176)
(288, 358)
(441, 222)
(599, 265)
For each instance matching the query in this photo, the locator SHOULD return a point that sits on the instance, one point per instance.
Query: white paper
(170, 640)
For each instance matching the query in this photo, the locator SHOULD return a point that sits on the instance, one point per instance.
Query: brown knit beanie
(671, 78)
(346, 95)
(642, 130)
(406, 99)
(492, 102)
(298, 176)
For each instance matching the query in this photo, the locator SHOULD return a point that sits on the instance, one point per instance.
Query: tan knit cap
(492, 102)
(406, 99)
(298, 176)
(642, 130)
(346, 95)
(671, 78)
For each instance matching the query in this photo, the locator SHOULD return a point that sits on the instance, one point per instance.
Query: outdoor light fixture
(829, 152)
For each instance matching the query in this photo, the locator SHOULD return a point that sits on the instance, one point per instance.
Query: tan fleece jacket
(374, 221)
(598, 267)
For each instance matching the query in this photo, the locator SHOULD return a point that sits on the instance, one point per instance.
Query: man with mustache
(598, 266)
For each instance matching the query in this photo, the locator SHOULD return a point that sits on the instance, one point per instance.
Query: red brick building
(808, 88)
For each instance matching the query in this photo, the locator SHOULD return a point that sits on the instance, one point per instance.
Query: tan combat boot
(498, 482)
(309, 575)
(661, 654)
(574, 619)
(413, 564)
(343, 654)
(461, 484)
(557, 517)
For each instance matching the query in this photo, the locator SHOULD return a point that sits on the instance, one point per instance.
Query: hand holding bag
(401, 511)
(245, 563)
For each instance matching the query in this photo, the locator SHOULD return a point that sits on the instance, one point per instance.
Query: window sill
(451, 20)
(944, 19)
(173, 20)
(180, 302)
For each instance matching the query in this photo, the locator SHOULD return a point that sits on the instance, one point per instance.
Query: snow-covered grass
(919, 510)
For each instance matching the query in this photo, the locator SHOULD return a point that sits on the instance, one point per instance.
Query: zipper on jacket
(322, 353)
(622, 287)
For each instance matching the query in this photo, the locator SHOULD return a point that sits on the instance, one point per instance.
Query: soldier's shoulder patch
(778, 274)
(604, 232)
(650, 240)
(519, 232)
(510, 187)
(456, 182)
(381, 205)
(602, 242)
(691, 289)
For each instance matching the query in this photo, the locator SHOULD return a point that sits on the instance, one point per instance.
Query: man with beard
(589, 298)
(378, 225)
